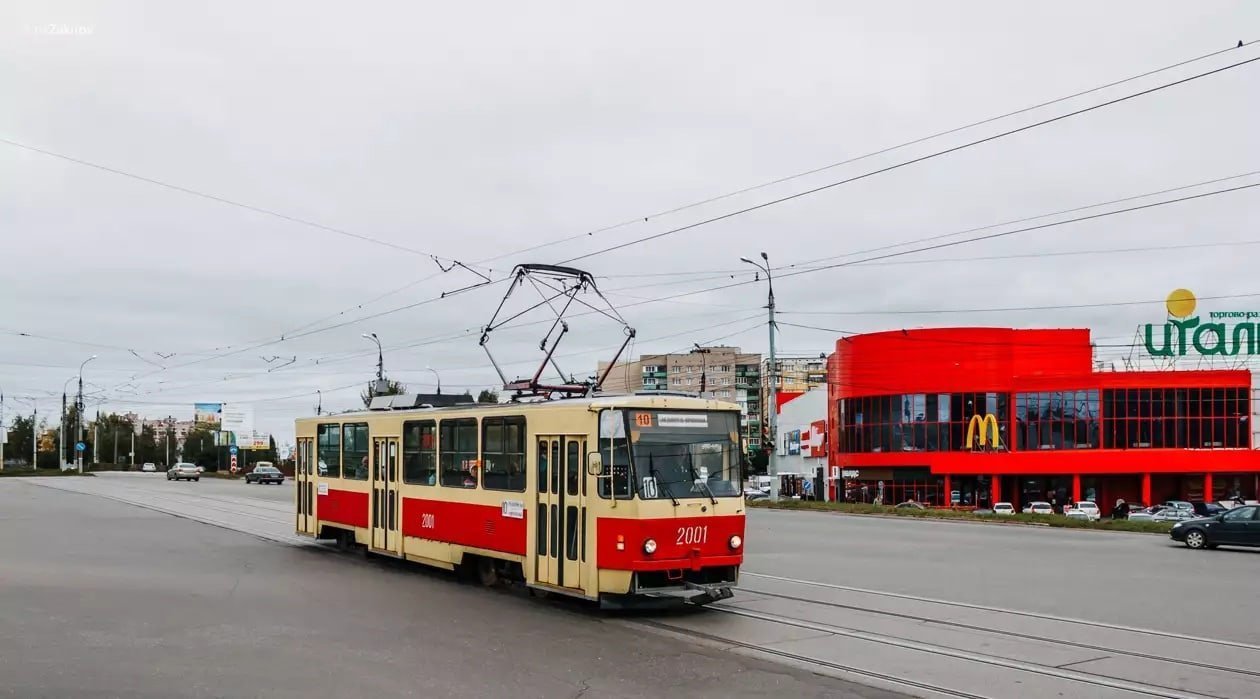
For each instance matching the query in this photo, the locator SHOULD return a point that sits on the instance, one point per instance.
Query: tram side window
(420, 452)
(354, 451)
(329, 450)
(503, 453)
(615, 451)
(457, 452)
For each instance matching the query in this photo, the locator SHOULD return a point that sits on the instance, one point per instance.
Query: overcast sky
(471, 130)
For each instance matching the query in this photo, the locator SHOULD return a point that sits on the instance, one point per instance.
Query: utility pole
(34, 435)
(115, 443)
(96, 437)
(4, 434)
(704, 365)
(133, 446)
(773, 404)
(78, 415)
(319, 405)
(379, 388)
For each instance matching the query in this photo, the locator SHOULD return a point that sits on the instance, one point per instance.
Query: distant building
(721, 373)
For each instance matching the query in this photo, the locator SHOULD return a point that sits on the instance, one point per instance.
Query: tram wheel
(486, 572)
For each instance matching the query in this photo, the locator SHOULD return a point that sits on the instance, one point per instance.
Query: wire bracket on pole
(559, 289)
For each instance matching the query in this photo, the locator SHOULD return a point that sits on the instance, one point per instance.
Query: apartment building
(720, 372)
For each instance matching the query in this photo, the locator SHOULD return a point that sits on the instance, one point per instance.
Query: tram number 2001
(428, 521)
(692, 535)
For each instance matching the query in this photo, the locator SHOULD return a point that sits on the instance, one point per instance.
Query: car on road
(149, 467)
(1092, 513)
(1003, 508)
(1038, 507)
(1237, 527)
(265, 473)
(183, 472)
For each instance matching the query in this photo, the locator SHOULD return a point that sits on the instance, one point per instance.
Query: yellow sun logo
(1181, 303)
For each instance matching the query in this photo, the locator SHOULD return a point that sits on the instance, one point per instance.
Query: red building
(911, 409)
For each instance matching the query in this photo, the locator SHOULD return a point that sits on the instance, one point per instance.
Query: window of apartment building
(1194, 418)
(726, 381)
(650, 368)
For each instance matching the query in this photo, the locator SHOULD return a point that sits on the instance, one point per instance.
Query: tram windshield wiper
(661, 484)
(696, 479)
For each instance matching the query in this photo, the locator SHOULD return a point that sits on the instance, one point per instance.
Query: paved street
(106, 599)
(928, 608)
(1134, 579)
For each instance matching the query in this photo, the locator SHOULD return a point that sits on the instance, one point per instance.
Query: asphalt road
(1132, 579)
(100, 598)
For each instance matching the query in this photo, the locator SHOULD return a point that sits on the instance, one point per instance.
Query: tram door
(385, 499)
(560, 511)
(302, 472)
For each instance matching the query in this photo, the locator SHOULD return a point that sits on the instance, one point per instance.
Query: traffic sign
(80, 446)
(232, 450)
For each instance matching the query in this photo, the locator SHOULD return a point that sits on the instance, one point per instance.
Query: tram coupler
(708, 593)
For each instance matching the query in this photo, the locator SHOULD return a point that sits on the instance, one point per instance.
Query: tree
(488, 396)
(392, 388)
(19, 444)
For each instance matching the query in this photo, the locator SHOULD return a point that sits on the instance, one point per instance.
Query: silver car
(1173, 514)
(183, 472)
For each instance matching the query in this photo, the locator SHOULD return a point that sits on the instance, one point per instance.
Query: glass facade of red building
(973, 416)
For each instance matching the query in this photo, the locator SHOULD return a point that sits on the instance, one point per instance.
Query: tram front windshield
(675, 454)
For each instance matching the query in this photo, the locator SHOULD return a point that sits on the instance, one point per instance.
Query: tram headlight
(649, 546)
(736, 542)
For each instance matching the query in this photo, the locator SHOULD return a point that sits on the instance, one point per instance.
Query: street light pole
(704, 365)
(4, 435)
(78, 416)
(439, 378)
(772, 408)
(319, 405)
(380, 362)
(61, 428)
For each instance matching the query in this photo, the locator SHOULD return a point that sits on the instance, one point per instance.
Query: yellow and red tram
(619, 499)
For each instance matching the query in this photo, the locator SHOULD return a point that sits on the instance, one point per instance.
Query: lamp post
(319, 402)
(773, 404)
(4, 436)
(704, 365)
(379, 388)
(61, 428)
(78, 415)
(439, 379)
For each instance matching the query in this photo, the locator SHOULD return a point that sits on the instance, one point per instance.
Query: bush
(1043, 520)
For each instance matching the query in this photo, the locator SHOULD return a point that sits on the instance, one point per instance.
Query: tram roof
(655, 399)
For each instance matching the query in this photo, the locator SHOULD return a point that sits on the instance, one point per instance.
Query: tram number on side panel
(692, 535)
(428, 521)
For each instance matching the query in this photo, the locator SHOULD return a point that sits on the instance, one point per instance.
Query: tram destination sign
(1227, 333)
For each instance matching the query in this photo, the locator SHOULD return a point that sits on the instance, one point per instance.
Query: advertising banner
(207, 413)
(238, 417)
(252, 440)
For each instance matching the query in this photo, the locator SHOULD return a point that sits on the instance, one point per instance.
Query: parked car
(1180, 505)
(1003, 508)
(265, 473)
(1092, 513)
(1146, 514)
(1173, 514)
(149, 467)
(183, 472)
(1237, 527)
(1207, 509)
(1038, 508)
(1076, 513)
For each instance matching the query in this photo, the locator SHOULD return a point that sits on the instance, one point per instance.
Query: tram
(628, 500)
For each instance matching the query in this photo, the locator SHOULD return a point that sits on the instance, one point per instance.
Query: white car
(1073, 513)
(149, 467)
(1092, 513)
(1003, 508)
(1038, 508)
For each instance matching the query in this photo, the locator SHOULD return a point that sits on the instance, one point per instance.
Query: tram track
(1040, 616)
(1012, 634)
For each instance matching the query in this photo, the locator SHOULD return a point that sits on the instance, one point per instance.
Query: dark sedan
(1237, 527)
(265, 474)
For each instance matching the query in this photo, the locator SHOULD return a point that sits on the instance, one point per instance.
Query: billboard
(252, 440)
(207, 413)
(238, 417)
